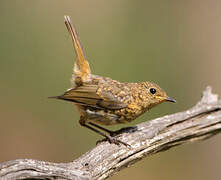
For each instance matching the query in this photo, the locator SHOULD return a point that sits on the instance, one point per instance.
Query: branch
(200, 122)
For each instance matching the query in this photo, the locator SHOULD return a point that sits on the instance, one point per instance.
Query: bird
(102, 101)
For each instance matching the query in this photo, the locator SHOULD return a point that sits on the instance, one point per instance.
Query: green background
(176, 44)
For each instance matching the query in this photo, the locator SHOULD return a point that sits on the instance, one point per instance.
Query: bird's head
(156, 95)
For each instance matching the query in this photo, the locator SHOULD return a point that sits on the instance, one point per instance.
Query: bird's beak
(170, 99)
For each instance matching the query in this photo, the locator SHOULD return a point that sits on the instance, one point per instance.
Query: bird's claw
(114, 140)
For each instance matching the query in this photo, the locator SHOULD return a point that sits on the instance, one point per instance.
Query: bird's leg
(102, 128)
(108, 137)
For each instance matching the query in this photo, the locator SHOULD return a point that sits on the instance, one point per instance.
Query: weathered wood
(198, 123)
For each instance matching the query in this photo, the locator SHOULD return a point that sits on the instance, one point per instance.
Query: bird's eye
(153, 90)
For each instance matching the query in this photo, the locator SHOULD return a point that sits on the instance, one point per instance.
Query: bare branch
(198, 123)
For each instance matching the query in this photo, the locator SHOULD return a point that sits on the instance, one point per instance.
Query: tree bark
(200, 122)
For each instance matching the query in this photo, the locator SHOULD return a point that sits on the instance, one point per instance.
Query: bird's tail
(81, 66)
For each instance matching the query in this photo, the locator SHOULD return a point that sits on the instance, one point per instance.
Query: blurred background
(176, 44)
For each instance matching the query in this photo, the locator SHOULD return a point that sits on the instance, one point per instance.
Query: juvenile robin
(101, 100)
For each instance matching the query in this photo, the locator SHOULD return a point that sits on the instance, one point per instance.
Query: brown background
(176, 44)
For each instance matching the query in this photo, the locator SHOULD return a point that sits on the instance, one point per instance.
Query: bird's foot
(113, 140)
(117, 141)
(123, 130)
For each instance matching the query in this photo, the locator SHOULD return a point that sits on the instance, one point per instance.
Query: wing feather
(87, 95)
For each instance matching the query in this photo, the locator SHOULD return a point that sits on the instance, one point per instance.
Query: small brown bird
(101, 100)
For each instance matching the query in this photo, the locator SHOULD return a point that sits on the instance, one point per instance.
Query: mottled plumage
(101, 100)
(110, 102)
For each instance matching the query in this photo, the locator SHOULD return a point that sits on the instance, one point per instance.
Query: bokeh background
(176, 44)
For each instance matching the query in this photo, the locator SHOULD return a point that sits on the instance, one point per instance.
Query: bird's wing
(87, 95)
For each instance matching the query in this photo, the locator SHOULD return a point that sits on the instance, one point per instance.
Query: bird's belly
(111, 117)
(102, 117)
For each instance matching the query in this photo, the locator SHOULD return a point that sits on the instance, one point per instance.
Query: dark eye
(153, 91)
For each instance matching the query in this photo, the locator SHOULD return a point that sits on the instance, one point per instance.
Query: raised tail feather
(82, 68)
